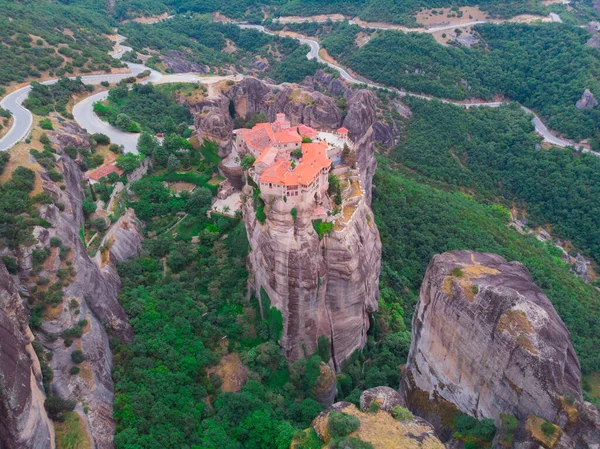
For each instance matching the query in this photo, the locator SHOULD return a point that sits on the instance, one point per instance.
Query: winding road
(314, 52)
(23, 119)
(86, 118)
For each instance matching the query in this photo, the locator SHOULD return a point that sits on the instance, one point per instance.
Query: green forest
(545, 67)
(43, 36)
(417, 220)
(493, 153)
(392, 11)
(144, 107)
(203, 40)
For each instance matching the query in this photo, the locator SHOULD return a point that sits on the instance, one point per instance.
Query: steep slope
(23, 419)
(322, 287)
(73, 305)
(486, 342)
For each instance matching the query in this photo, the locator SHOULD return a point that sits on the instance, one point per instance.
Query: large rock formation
(23, 419)
(89, 293)
(177, 62)
(386, 399)
(587, 101)
(312, 108)
(361, 113)
(212, 121)
(322, 287)
(487, 341)
(251, 96)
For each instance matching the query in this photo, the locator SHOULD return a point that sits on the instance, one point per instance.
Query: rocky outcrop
(365, 158)
(213, 122)
(380, 429)
(312, 108)
(594, 41)
(251, 96)
(91, 294)
(383, 133)
(386, 399)
(587, 101)
(177, 62)
(326, 386)
(326, 82)
(361, 113)
(23, 419)
(322, 287)
(487, 341)
(69, 134)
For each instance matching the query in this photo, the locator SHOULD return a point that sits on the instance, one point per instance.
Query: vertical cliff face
(487, 341)
(89, 307)
(92, 295)
(322, 287)
(23, 419)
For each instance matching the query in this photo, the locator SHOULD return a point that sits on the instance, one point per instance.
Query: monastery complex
(279, 169)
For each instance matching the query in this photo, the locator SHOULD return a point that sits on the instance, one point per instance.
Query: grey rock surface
(92, 294)
(177, 62)
(587, 101)
(24, 422)
(487, 341)
(312, 108)
(386, 397)
(323, 287)
(361, 113)
(213, 122)
(593, 41)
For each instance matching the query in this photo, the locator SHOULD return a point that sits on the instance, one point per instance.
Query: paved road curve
(23, 120)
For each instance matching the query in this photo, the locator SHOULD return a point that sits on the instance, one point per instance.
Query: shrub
(55, 242)
(297, 153)
(401, 414)
(101, 139)
(247, 161)
(46, 124)
(77, 356)
(55, 407)
(457, 272)
(44, 139)
(548, 428)
(374, 407)
(42, 280)
(322, 228)
(74, 370)
(350, 443)
(260, 213)
(115, 148)
(341, 424)
(509, 427)
(294, 212)
(324, 348)
(11, 264)
(105, 83)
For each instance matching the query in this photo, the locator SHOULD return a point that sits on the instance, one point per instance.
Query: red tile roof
(343, 130)
(290, 136)
(103, 171)
(307, 131)
(260, 137)
(314, 159)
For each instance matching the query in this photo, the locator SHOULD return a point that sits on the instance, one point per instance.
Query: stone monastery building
(276, 171)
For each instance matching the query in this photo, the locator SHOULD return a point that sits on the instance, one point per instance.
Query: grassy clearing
(72, 434)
